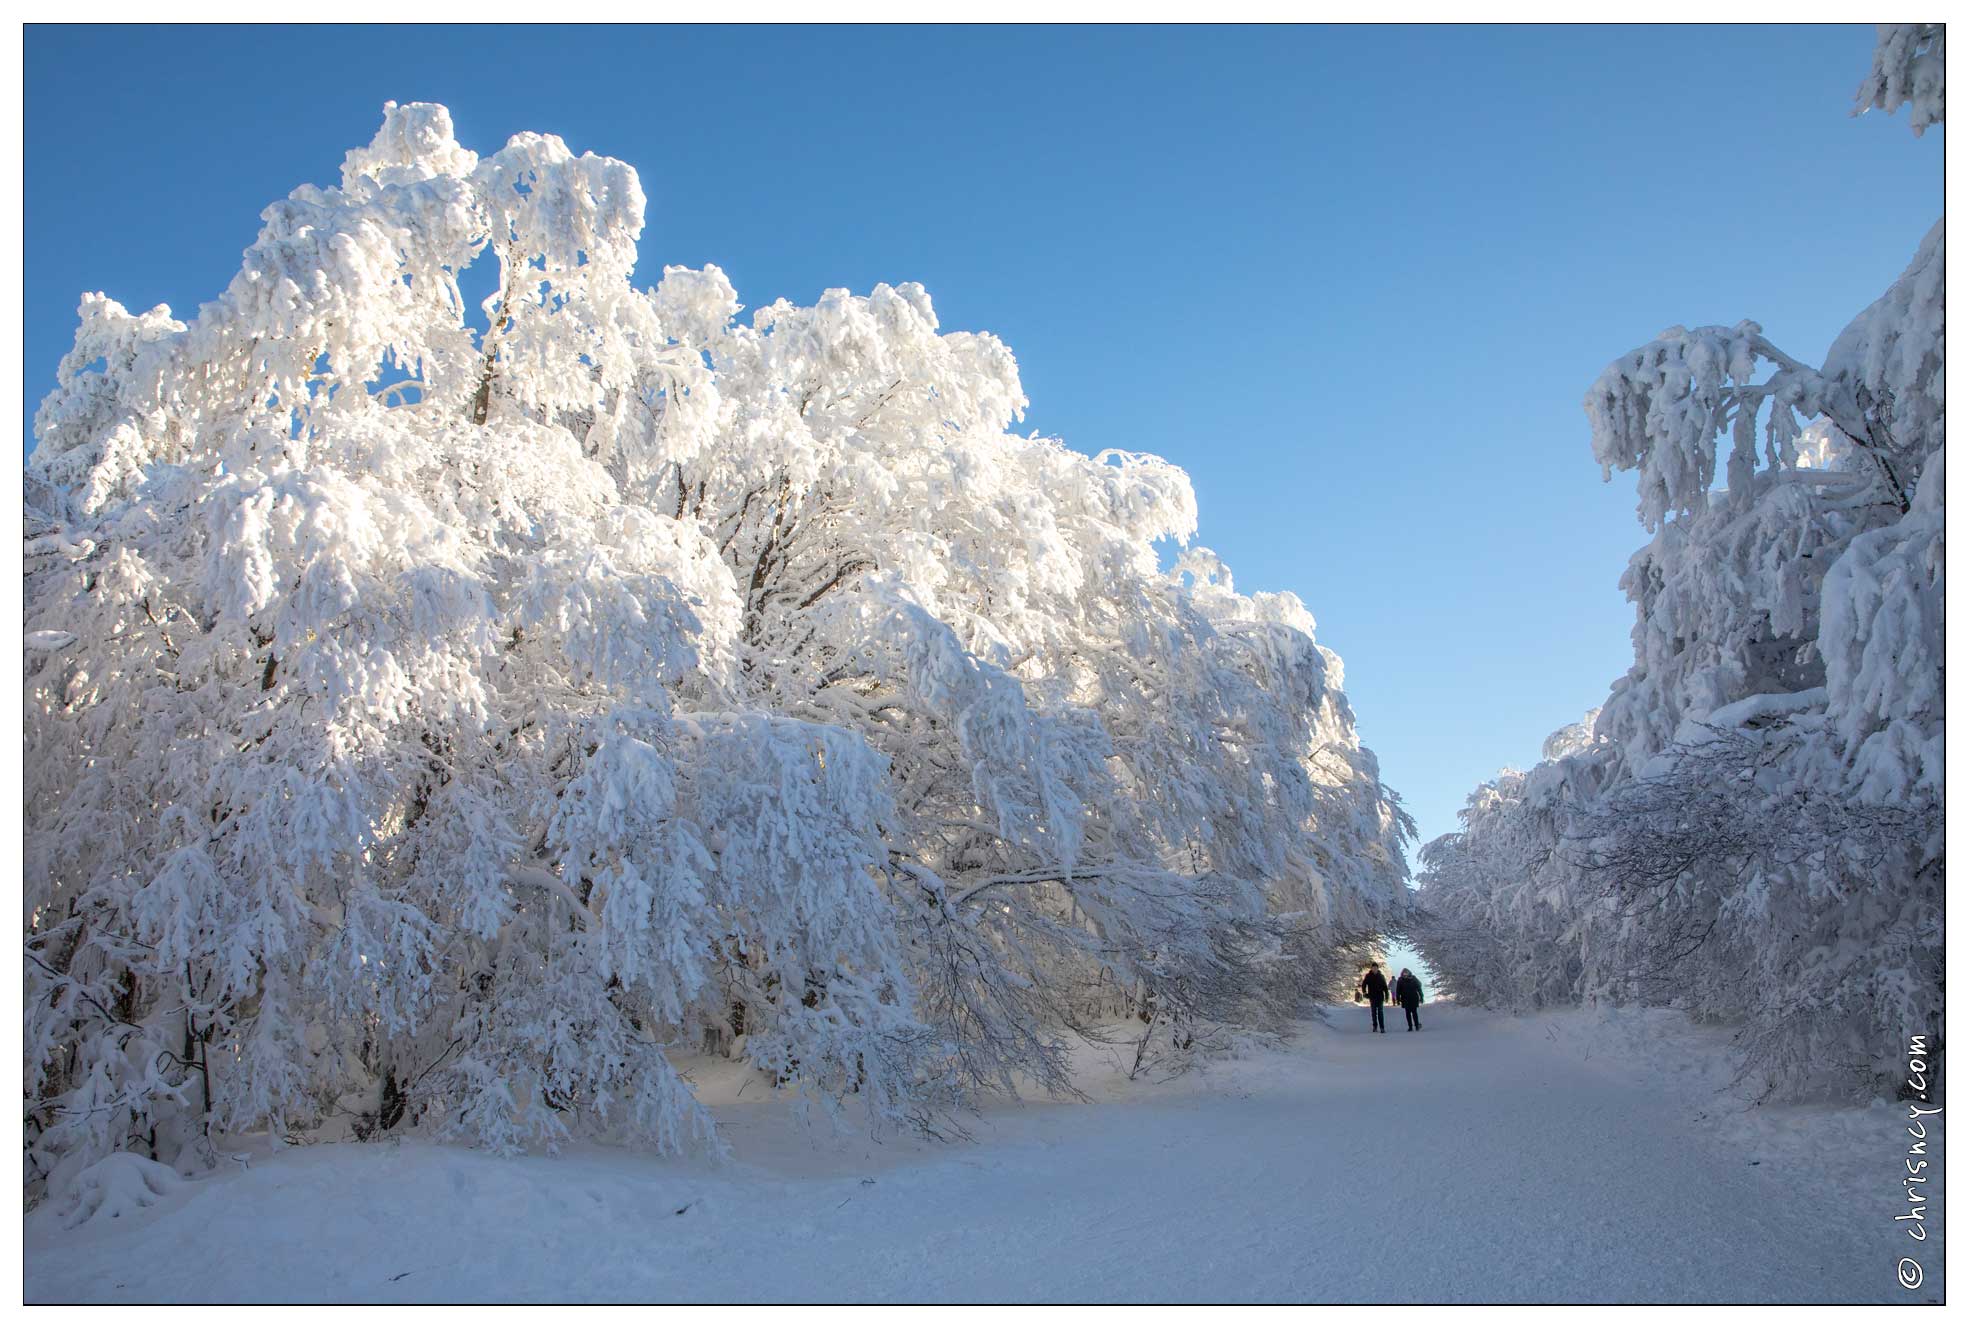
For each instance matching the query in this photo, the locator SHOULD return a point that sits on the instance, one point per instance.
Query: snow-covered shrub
(437, 722)
(1751, 827)
(114, 1187)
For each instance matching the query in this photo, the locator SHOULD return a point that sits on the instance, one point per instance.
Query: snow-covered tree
(1756, 828)
(450, 722)
(1506, 917)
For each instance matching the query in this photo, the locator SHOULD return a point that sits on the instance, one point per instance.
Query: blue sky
(1355, 280)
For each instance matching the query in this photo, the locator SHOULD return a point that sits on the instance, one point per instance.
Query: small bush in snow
(114, 1187)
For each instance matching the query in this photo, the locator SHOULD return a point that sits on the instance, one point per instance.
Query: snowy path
(1482, 1159)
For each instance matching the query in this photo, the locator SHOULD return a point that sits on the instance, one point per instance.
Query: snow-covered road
(1486, 1158)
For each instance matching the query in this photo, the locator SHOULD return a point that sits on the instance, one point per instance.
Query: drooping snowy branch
(1907, 70)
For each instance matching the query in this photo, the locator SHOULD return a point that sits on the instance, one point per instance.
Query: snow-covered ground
(1573, 1157)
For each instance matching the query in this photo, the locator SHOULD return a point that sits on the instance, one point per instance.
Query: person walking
(1408, 991)
(1374, 986)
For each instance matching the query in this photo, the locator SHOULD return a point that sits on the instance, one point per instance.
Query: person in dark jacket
(1374, 986)
(1408, 991)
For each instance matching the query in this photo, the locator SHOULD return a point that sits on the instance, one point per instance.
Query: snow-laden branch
(551, 883)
